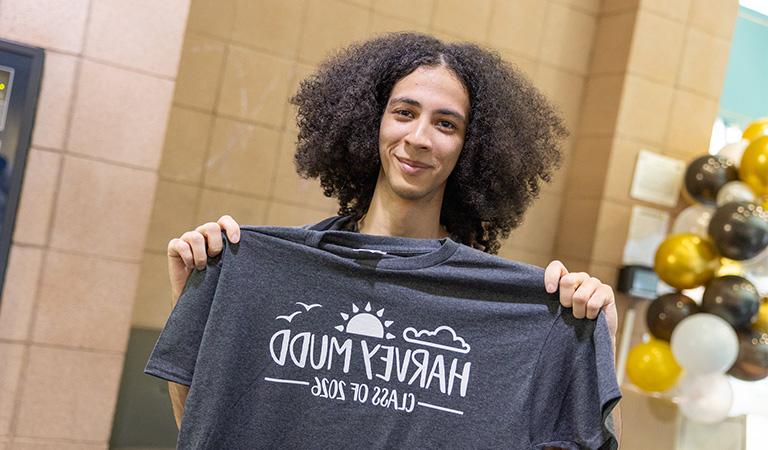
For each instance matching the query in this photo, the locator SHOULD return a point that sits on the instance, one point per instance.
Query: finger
(552, 274)
(231, 228)
(582, 296)
(601, 298)
(181, 249)
(212, 234)
(196, 242)
(568, 285)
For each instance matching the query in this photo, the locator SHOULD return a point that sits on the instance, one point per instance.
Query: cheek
(451, 150)
(387, 131)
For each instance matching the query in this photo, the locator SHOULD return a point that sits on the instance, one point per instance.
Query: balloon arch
(720, 243)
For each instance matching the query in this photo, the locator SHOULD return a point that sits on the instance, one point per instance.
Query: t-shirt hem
(168, 372)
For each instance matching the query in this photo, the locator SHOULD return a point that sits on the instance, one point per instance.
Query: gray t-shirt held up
(319, 337)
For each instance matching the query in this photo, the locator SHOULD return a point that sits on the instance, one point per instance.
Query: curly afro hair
(511, 144)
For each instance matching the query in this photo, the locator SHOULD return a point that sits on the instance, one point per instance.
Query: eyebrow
(445, 111)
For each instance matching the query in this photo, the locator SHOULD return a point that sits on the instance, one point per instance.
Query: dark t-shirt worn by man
(319, 337)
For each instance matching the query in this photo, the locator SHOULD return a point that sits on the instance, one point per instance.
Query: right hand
(193, 248)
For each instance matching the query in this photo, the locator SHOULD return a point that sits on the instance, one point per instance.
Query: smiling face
(424, 123)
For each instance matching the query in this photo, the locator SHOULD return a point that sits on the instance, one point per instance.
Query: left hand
(585, 294)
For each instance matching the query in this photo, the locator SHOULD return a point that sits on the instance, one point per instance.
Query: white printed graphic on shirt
(437, 372)
(365, 323)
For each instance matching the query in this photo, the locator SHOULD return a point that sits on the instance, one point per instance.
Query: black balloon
(733, 298)
(740, 230)
(706, 175)
(666, 312)
(752, 362)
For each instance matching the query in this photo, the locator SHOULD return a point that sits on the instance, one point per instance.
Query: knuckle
(580, 298)
(568, 280)
(195, 237)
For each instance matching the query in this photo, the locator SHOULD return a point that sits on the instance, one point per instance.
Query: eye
(403, 112)
(447, 124)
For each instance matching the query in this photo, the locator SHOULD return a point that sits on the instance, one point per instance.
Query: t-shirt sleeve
(175, 353)
(574, 387)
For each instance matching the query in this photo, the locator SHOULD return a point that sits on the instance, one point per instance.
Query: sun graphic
(365, 323)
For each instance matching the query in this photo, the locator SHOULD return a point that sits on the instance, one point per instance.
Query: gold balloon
(652, 367)
(686, 260)
(761, 324)
(729, 267)
(753, 169)
(756, 129)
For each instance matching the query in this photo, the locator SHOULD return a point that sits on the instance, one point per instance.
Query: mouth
(413, 164)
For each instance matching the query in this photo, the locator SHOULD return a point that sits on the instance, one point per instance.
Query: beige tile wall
(231, 134)
(653, 83)
(84, 212)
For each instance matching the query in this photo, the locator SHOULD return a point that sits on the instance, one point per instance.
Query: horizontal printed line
(278, 380)
(441, 408)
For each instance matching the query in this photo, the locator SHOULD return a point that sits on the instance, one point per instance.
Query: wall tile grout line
(39, 440)
(98, 351)
(135, 70)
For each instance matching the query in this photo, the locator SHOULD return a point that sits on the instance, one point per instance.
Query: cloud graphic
(442, 333)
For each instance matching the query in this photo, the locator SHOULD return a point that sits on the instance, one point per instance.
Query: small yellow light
(2, 86)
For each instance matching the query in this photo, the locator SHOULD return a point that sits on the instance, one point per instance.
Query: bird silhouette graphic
(308, 307)
(289, 317)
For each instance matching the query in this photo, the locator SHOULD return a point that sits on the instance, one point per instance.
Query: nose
(418, 135)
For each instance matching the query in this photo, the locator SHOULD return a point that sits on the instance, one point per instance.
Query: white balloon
(757, 264)
(756, 271)
(693, 219)
(705, 398)
(704, 344)
(696, 294)
(734, 151)
(734, 191)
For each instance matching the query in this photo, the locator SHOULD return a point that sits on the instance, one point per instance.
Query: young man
(421, 139)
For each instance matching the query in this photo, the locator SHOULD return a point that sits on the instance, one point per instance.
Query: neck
(392, 215)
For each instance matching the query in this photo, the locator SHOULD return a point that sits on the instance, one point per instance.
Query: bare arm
(616, 414)
(178, 393)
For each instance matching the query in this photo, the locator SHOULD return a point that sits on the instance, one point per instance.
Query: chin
(410, 192)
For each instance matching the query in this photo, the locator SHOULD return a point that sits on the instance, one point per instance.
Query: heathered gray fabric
(318, 337)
